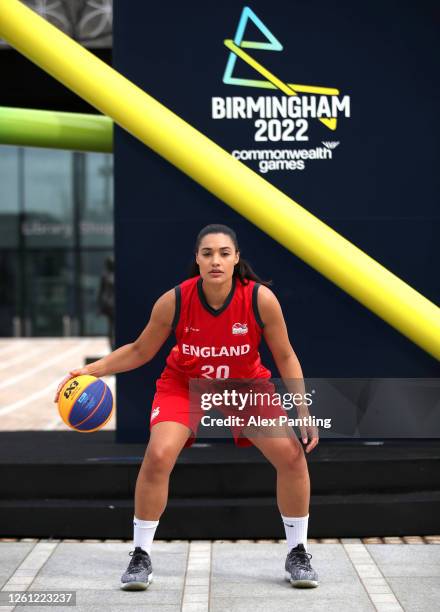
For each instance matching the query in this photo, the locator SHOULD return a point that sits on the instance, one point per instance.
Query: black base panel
(205, 518)
(67, 485)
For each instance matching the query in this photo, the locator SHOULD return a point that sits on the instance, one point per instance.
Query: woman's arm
(144, 348)
(133, 355)
(276, 336)
(158, 327)
(277, 339)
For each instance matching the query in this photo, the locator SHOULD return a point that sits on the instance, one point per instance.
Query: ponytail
(242, 270)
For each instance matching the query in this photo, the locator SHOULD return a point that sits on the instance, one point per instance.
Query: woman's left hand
(309, 433)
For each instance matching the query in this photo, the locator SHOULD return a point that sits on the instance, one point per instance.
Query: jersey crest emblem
(155, 413)
(239, 329)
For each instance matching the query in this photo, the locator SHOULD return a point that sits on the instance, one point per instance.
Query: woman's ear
(237, 257)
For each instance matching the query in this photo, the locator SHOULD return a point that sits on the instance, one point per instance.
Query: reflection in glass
(9, 196)
(96, 225)
(50, 291)
(93, 264)
(48, 180)
(8, 292)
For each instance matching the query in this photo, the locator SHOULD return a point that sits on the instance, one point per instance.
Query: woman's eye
(223, 254)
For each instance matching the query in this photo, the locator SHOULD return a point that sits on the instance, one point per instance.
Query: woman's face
(216, 258)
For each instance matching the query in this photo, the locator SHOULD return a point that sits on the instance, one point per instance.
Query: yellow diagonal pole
(227, 178)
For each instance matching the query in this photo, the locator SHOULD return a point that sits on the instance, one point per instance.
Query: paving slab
(247, 577)
(89, 568)
(310, 598)
(11, 556)
(107, 606)
(417, 594)
(411, 560)
(251, 562)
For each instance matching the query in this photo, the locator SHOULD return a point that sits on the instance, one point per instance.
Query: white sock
(143, 533)
(296, 530)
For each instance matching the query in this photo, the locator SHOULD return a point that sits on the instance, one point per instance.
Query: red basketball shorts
(171, 402)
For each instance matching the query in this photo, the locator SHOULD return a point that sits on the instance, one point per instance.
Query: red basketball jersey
(219, 343)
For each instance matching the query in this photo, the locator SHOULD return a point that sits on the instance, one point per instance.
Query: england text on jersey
(215, 351)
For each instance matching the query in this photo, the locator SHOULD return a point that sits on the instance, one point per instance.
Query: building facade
(56, 207)
(56, 231)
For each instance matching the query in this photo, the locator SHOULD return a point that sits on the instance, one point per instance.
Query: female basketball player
(218, 316)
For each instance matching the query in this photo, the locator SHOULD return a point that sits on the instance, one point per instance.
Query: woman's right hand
(71, 374)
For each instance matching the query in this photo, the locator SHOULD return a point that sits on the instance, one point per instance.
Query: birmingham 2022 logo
(277, 119)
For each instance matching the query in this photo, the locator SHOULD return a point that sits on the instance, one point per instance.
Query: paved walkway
(195, 576)
(30, 370)
(222, 576)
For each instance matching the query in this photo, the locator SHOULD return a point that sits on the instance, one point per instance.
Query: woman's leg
(286, 455)
(167, 439)
(293, 496)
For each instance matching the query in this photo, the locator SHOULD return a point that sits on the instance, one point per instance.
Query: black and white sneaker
(299, 572)
(139, 573)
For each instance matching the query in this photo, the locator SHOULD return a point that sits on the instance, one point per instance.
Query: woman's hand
(309, 432)
(71, 374)
(309, 436)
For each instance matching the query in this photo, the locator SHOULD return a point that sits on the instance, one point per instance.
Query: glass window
(48, 181)
(96, 226)
(9, 196)
(93, 265)
(50, 292)
(8, 291)
(50, 275)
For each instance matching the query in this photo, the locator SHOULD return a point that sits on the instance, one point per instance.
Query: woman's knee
(159, 459)
(291, 457)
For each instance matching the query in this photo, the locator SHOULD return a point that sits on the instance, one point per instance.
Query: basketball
(85, 403)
